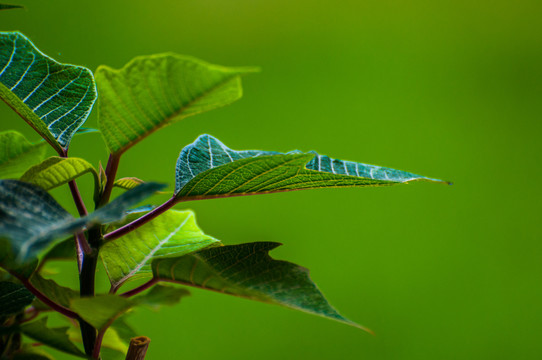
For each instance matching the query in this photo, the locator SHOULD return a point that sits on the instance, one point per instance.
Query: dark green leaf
(151, 92)
(17, 154)
(207, 168)
(13, 298)
(248, 271)
(102, 310)
(174, 233)
(55, 99)
(56, 171)
(31, 220)
(56, 338)
(160, 295)
(59, 294)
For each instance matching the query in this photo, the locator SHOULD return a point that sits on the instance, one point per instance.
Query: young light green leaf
(100, 311)
(151, 92)
(174, 233)
(160, 295)
(13, 298)
(17, 154)
(207, 168)
(64, 250)
(31, 220)
(128, 183)
(55, 99)
(56, 171)
(56, 338)
(248, 271)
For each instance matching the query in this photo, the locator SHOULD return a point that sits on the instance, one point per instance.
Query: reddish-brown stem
(110, 173)
(138, 348)
(123, 230)
(44, 299)
(140, 288)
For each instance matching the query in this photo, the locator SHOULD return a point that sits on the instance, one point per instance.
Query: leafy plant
(149, 246)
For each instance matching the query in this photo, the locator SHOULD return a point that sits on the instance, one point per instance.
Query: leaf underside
(54, 98)
(248, 271)
(208, 168)
(56, 171)
(174, 233)
(31, 220)
(17, 154)
(151, 92)
(13, 298)
(56, 338)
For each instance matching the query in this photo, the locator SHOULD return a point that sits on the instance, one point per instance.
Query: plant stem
(138, 348)
(140, 221)
(44, 299)
(140, 288)
(110, 173)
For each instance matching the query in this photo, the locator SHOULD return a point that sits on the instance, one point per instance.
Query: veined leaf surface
(54, 98)
(56, 171)
(31, 220)
(151, 92)
(13, 298)
(248, 271)
(17, 154)
(207, 168)
(174, 233)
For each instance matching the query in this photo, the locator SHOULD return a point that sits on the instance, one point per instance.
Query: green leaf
(31, 220)
(64, 250)
(174, 233)
(55, 99)
(160, 295)
(13, 298)
(111, 340)
(100, 311)
(17, 154)
(128, 183)
(59, 294)
(56, 171)
(7, 7)
(56, 338)
(151, 92)
(248, 271)
(207, 168)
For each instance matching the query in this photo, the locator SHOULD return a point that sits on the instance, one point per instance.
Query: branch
(123, 230)
(138, 348)
(110, 173)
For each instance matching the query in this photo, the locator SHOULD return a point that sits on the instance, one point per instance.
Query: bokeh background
(448, 89)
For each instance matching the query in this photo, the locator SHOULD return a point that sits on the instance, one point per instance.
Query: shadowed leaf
(160, 295)
(102, 310)
(55, 99)
(59, 294)
(151, 92)
(56, 338)
(174, 233)
(31, 220)
(248, 271)
(13, 298)
(17, 154)
(207, 168)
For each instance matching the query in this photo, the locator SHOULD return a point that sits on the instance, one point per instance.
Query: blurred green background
(448, 89)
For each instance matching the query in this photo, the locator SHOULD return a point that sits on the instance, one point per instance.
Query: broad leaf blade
(55, 99)
(56, 171)
(208, 168)
(174, 233)
(59, 294)
(102, 310)
(151, 92)
(13, 298)
(17, 154)
(56, 338)
(160, 295)
(248, 271)
(31, 220)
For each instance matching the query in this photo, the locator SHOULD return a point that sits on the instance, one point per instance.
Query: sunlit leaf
(55, 99)
(248, 271)
(31, 220)
(174, 233)
(128, 183)
(207, 168)
(151, 92)
(56, 171)
(17, 154)
(13, 298)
